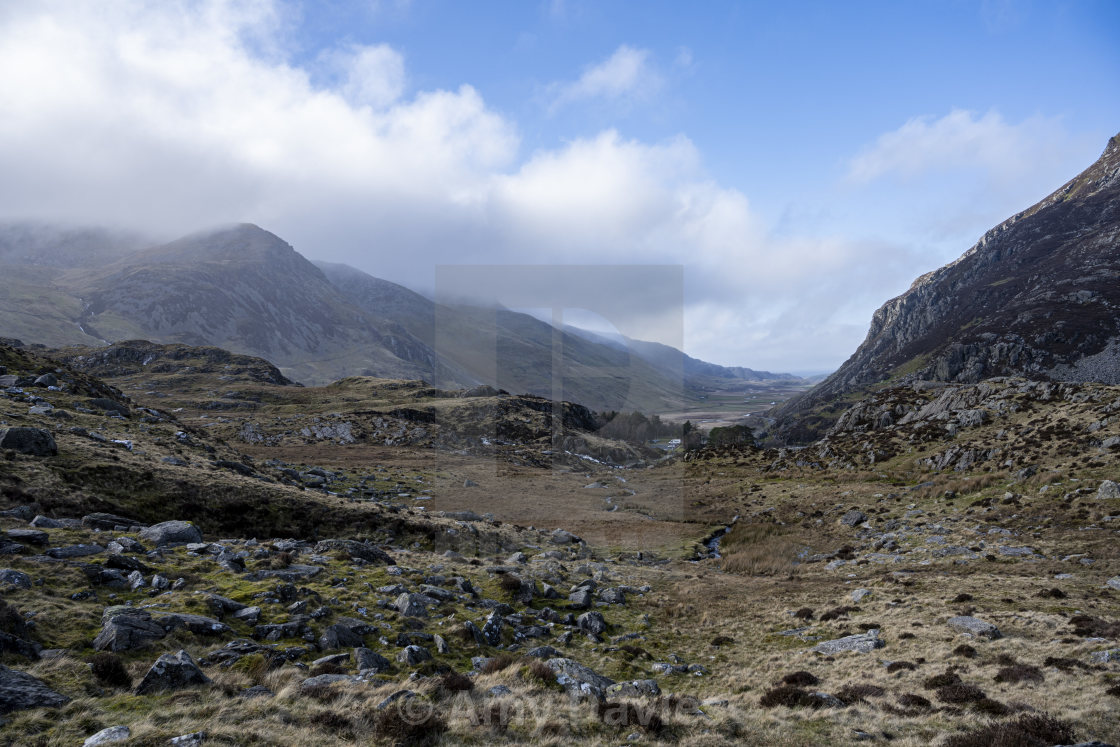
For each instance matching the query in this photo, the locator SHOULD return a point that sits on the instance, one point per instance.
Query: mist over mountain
(244, 289)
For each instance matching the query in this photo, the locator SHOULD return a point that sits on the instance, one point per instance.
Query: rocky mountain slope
(165, 575)
(1037, 296)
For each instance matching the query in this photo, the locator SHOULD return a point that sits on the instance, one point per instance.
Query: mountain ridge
(1036, 296)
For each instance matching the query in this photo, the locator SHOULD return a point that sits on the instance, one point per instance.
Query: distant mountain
(512, 350)
(244, 289)
(1037, 296)
(671, 360)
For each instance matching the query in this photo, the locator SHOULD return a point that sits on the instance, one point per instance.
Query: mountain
(1038, 296)
(512, 350)
(671, 360)
(244, 289)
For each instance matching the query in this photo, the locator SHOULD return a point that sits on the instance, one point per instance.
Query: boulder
(1108, 489)
(74, 551)
(634, 689)
(974, 627)
(578, 679)
(108, 736)
(128, 630)
(20, 691)
(492, 630)
(313, 684)
(863, 643)
(28, 536)
(32, 441)
(412, 605)
(591, 622)
(563, 537)
(172, 672)
(354, 549)
(15, 578)
(339, 636)
(1113, 582)
(171, 533)
(853, 518)
(413, 655)
(368, 661)
(197, 624)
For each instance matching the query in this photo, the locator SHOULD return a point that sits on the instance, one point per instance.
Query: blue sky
(804, 161)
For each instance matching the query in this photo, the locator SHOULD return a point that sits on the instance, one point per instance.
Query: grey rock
(1106, 656)
(580, 600)
(45, 522)
(248, 615)
(339, 636)
(355, 549)
(1108, 489)
(853, 518)
(20, 691)
(74, 551)
(108, 736)
(311, 684)
(412, 605)
(1113, 582)
(46, 380)
(441, 644)
(826, 700)
(634, 689)
(543, 652)
(413, 655)
(591, 622)
(398, 695)
(125, 632)
(169, 533)
(172, 672)
(1016, 552)
(975, 627)
(15, 578)
(863, 643)
(256, 691)
(492, 630)
(367, 661)
(107, 522)
(578, 679)
(338, 660)
(562, 537)
(498, 690)
(612, 595)
(860, 594)
(28, 536)
(32, 441)
(189, 740)
(197, 624)
(471, 628)
(223, 605)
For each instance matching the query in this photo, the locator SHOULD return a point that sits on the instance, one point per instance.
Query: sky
(802, 161)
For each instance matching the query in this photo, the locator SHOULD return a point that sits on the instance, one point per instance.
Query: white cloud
(373, 75)
(170, 117)
(627, 76)
(958, 140)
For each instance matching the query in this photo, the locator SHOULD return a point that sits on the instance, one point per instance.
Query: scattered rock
(15, 578)
(860, 594)
(129, 629)
(74, 551)
(853, 518)
(355, 549)
(863, 643)
(108, 736)
(189, 740)
(578, 679)
(172, 672)
(171, 533)
(591, 622)
(32, 441)
(975, 627)
(413, 655)
(1108, 489)
(20, 691)
(368, 661)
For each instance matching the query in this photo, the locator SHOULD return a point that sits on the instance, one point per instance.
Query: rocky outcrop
(19, 691)
(1037, 296)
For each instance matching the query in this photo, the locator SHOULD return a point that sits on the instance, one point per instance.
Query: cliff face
(1037, 296)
